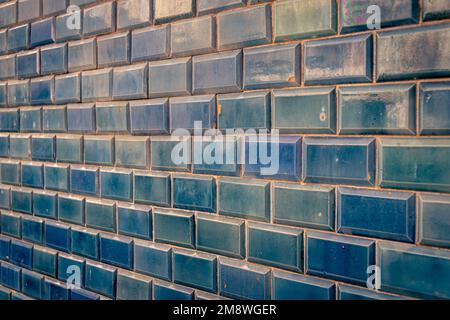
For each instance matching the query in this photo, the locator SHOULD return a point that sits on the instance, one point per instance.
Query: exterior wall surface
(89, 186)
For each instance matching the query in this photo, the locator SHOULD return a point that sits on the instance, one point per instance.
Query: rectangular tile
(152, 188)
(194, 193)
(311, 110)
(418, 164)
(398, 59)
(433, 220)
(133, 13)
(187, 112)
(288, 252)
(135, 221)
(304, 19)
(30, 119)
(340, 161)
(101, 279)
(99, 150)
(68, 88)
(116, 250)
(239, 280)
(194, 269)
(28, 64)
(245, 27)
(112, 117)
(130, 82)
(82, 55)
(163, 149)
(220, 235)
(170, 78)
(54, 119)
(131, 286)
(113, 49)
(351, 257)
(71, 209)
(116, 184)
(174, 227)
(193, 37)
(42, 32)
(382, 109)
(84, 180)
(81, 118)
(99, 19)
(85, 242)
(434, 117)
(132, 152)
(45, 204)
(217, 72)
(153, 259)
(341, 60)
(22, 200)
(69, 148)
(149, 116)
(101, 215)
(420, 272)
(435, 9)
(378, 214)
(96, 85)
(244, 198)
(290, 286)
(32, 174)
(167, 10)
(151, 43)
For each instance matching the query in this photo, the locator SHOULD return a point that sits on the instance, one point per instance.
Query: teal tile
(54, 119)
(220, 235)
(99, 150)
(5, 197)
(10, 172)
(291, 286)
(85, 242)
(69, 148)
(32, 229)
(346, 292)
(174, 227)
(135, 221)
(434, 220)
(161, 154)
(101, 215)
(434, 117)
(20, 146)
(311, 110)
(22, 200)
(418, 164)
(10, 224)
(304, 206)
(45, 204)
(194, 193)
(71, 209)
(117, 184)
(300, 19)
(415, 271)
(243, 111)
(112, 117)
(381, 109)
(45, 260)
(152, 188)
(132, 286)
(56, 177)
(244, 198)
(132, 152)
(276, 246)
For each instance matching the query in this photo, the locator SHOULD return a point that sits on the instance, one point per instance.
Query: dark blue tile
(45, 204)
(42, 90)
(153, 259)
(415, 271)
(346, 292)
(116, 250)
(84, 180)
(194, 193)
(340, 160)
(42, 32)
(347, 258)
(135, 221)
(5, 197)
(18, 37)
(68, 266)
(9, 120)
(101, 279)
(290, 286)
(55, 290)
(195, 270)
(32, 284)
(81, 294)
(57, 236)
(28, 64)
(174, 227)
(5, 245)
(273, 158)
(10, 276)
(239, 280)
(378, 214)
(33, 175)
(4, 145)
(22, 254)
